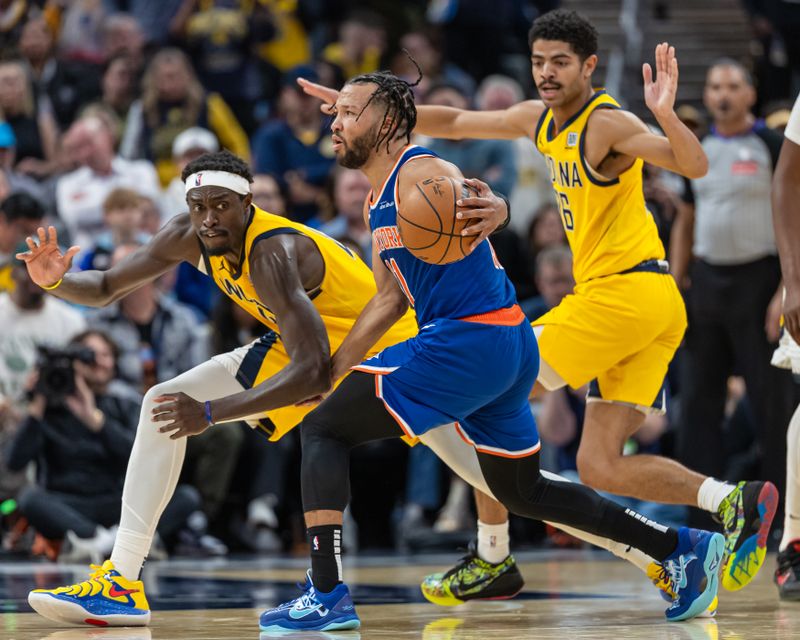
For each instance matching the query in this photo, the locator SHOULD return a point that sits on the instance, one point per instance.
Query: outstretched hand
(46, 264)
(660, 92)
(327, 95)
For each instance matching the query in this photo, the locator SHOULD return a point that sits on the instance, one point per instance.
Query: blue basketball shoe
(694, 572)
(313, 611)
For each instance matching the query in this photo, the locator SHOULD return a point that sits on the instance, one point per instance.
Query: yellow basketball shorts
(255, 362)
(618, 333)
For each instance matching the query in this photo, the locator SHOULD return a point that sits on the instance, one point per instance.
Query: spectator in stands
(29, 318)
(268, 195)
(493, 161)
(13, 15)
(350, 191)
(723, 254)
(89, 145)
(118, 86)
(693, 119)
(545, 230)
(12, 180)
(80, 26)
(34, 127)
(154, 18)
(20, 216)
(122, 215)
(188, 145)
(123, 36)
(172, 101)
(65, 86)
(219, 37)
(157, 337)
(361, 44)
(297, 147)
(81, 443)
(425, 47)
(554, 280)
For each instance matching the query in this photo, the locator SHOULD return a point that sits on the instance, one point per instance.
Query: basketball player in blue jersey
(473, 362)
(626, 311)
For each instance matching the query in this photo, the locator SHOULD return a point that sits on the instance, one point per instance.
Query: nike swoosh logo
(114, 592)
(298, 614)
(467, 589)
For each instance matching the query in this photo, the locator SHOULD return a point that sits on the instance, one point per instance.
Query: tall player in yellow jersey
(620, 329)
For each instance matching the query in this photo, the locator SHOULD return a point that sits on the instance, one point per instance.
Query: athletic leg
(155, 465)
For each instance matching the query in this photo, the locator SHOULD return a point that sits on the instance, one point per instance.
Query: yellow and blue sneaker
(659, 576)
(106, 599)
(473, 579)
(746, 515)
(693, 570)
(313, 611)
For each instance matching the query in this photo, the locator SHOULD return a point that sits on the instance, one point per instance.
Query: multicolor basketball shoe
(659, 576)
(693, 570)
(787, 575)
(105, 599)
(746, 515)
(313, 611)
(473, 579)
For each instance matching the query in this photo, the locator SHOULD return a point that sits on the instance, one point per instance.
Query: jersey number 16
(566, 212)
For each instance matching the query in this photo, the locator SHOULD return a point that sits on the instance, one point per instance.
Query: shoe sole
(52, 608)
(745, 563)
(713, 557)
(344, 625)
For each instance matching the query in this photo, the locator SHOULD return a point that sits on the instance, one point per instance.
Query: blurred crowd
(102, 104)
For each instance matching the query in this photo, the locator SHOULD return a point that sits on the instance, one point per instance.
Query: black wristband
(508, 209)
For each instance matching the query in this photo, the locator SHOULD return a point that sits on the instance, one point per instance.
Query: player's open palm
(46, 264)
(660, 91)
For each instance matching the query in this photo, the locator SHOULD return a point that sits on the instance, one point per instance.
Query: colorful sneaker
(787, 575)
(105, 599)
(694, 572)
(313, 611)
(473, 579)
(659, 576)
(746, 515)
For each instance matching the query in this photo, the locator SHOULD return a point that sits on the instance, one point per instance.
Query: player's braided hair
(220, 161)
(396, 94)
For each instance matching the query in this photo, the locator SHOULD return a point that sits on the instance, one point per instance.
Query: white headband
(218, 179)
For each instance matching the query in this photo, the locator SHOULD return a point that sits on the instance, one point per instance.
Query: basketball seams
(452, 222)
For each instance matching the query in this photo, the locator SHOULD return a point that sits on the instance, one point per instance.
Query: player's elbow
(316, 375)
(698, 168)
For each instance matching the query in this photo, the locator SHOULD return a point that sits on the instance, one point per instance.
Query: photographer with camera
(80, 434)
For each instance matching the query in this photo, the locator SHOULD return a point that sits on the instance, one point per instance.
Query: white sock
(155, 465)
(712, 493)
(791, 520)
(493, 542)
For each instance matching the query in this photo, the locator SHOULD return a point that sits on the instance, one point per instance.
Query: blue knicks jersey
(474, 285)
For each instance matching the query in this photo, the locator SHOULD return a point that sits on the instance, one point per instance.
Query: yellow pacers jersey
(608, 225)
(346, 287)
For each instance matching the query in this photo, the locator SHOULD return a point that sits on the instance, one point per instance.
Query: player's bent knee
(593, 469)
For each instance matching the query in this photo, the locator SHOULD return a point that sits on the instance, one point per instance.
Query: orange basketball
(427, 220)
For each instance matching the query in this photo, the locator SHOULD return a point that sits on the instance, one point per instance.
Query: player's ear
(589, 65)
(247, 201)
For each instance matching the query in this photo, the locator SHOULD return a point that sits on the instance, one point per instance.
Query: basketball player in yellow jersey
(624, 322)
(304, 287)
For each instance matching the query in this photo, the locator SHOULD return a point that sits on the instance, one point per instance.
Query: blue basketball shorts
(476, 374)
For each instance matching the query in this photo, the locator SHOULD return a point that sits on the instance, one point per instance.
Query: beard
(218, 251)
(358, 152)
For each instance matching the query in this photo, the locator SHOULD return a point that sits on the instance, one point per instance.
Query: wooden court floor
(581, 595)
